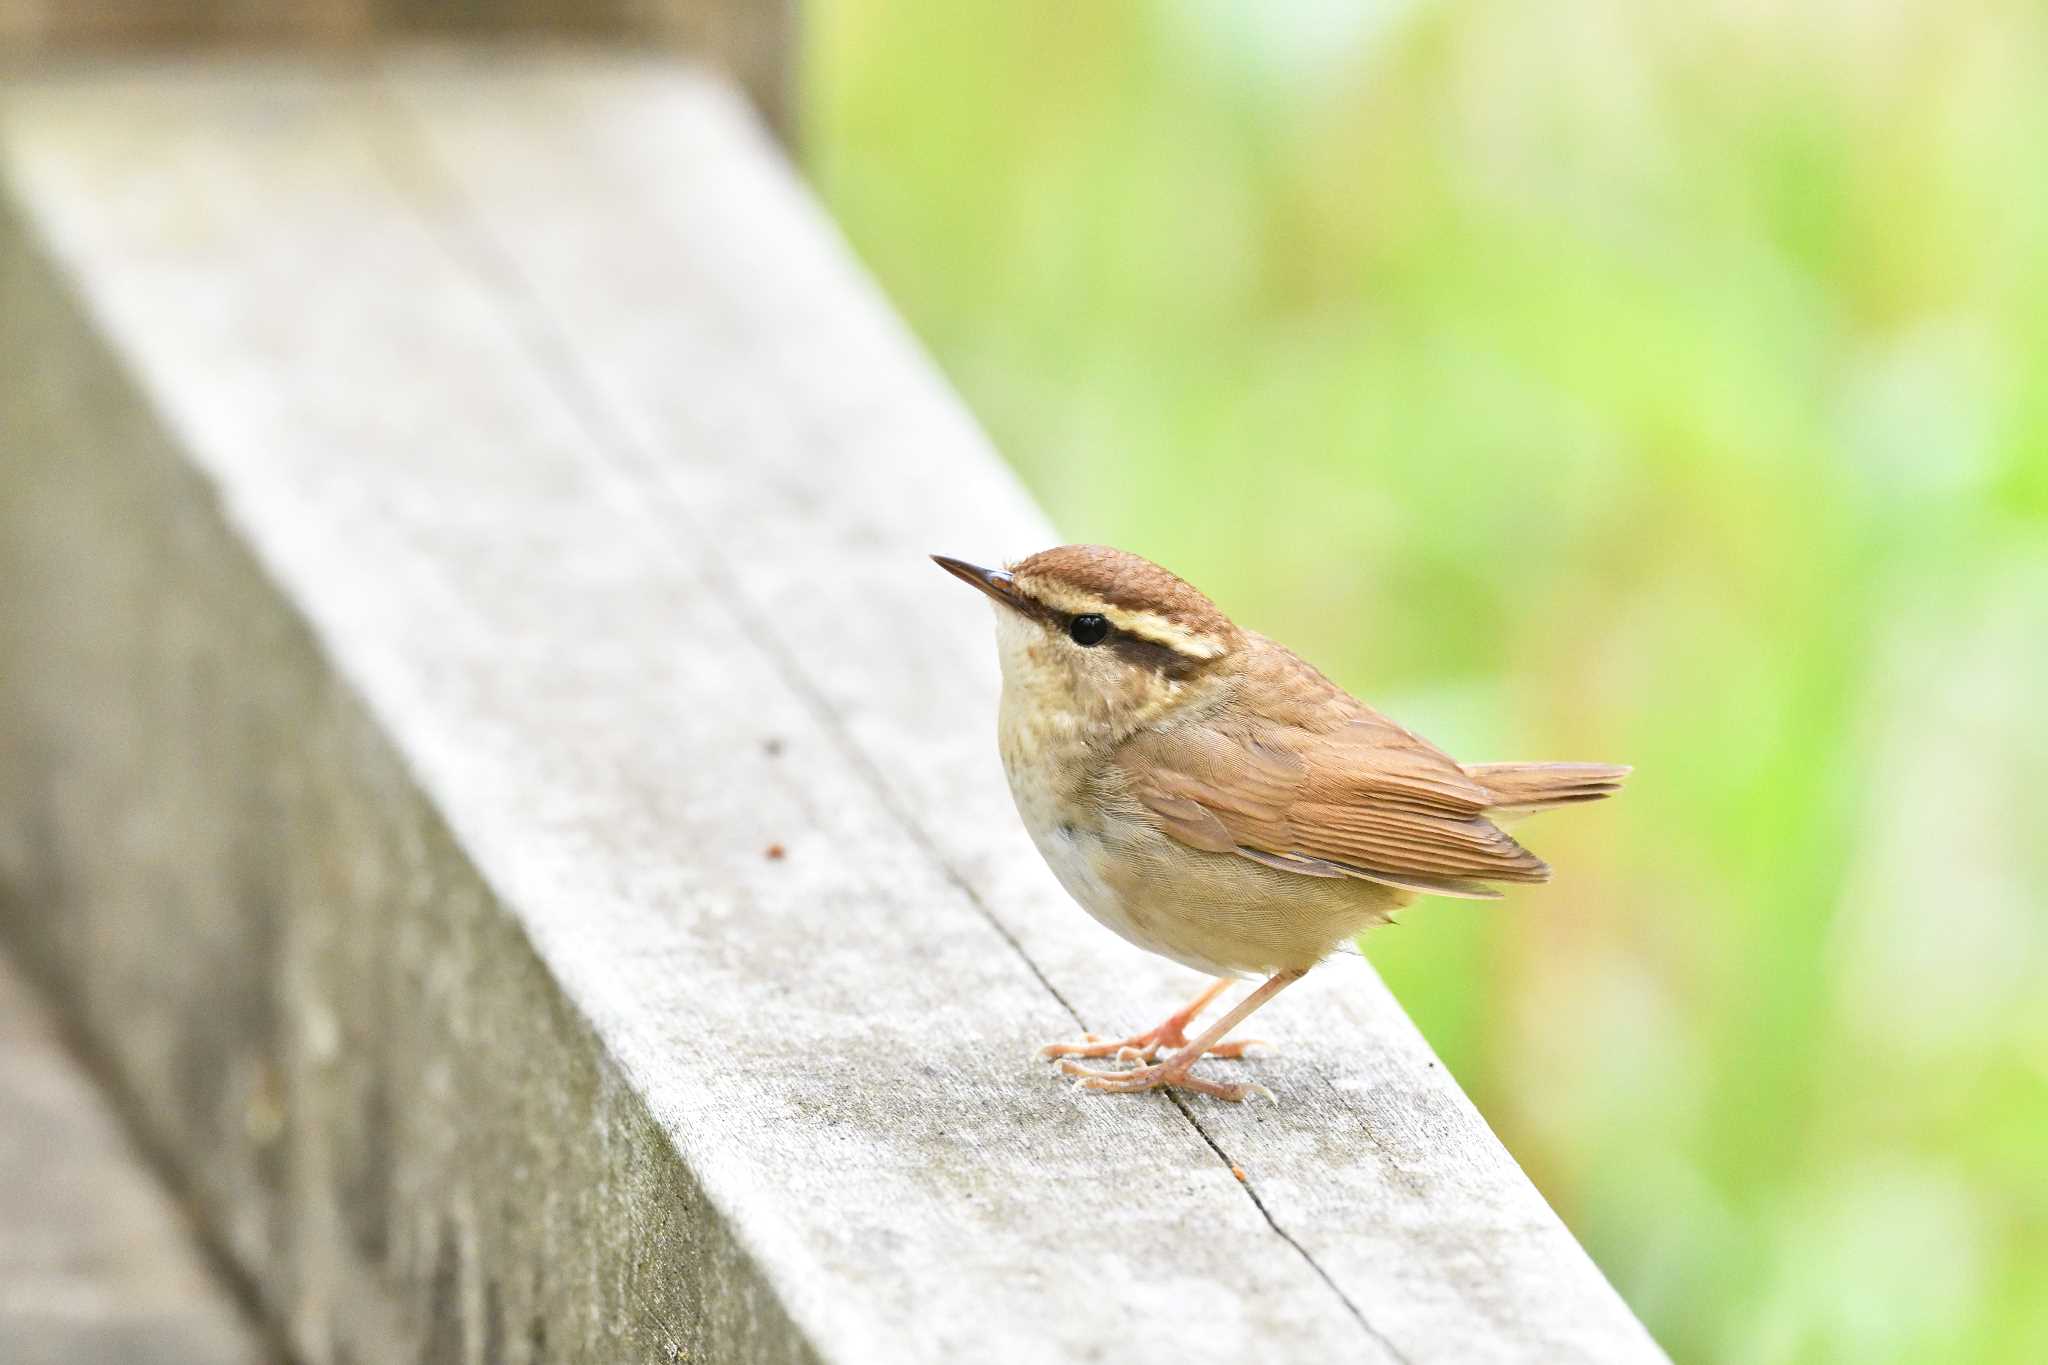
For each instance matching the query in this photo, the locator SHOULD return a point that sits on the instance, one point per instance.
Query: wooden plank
(560, 415)
(95, 1262)
(687, 271)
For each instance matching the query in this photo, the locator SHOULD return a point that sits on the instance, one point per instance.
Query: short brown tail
(1524, 788)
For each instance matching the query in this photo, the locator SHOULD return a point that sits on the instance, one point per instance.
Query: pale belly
(1080, 859)
(1213, 912)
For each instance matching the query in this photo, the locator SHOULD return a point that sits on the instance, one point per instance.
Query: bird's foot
(1170, 1036)
(1145, 1047)
(1175, 1073)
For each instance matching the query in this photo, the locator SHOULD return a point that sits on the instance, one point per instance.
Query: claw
(1170, 1036)
(1162, 1076)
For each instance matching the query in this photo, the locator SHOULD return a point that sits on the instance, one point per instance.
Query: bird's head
(1102, 636)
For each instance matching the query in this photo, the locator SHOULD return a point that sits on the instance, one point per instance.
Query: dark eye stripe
(1160, 658)
(1137, 650)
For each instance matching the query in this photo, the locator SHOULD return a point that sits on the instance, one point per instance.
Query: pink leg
(1174, 1071)
(1146, 1046)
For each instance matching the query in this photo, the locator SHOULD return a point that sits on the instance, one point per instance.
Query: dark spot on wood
(494, 1323)
(365, 1174)
(444, 1302)
(226, 1058)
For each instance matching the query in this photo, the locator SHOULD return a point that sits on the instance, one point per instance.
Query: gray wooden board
(559, 411)
(95, 1262)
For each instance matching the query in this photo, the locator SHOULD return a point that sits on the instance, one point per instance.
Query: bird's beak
(995, 582)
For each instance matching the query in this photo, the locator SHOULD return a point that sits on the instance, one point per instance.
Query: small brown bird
(1207, 794)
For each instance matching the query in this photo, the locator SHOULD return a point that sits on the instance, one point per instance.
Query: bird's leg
(1174, 1071)
(1145, 1046)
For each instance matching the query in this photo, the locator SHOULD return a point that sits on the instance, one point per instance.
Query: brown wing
(1353, 796)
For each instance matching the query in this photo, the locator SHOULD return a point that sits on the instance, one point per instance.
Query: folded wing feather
(1357, 797)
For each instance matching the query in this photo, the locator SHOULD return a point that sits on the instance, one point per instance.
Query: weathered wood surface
(95, 1263)
(557, 415)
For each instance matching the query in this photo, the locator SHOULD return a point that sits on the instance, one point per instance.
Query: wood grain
(559, 413)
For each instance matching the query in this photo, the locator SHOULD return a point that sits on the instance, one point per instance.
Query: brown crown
(1122, 579)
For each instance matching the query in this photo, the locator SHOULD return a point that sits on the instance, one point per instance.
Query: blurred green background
(1586, 380)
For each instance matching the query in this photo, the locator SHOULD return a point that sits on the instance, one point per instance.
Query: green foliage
(1601, 381)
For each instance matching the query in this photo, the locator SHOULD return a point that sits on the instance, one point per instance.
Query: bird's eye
(1088, 630)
